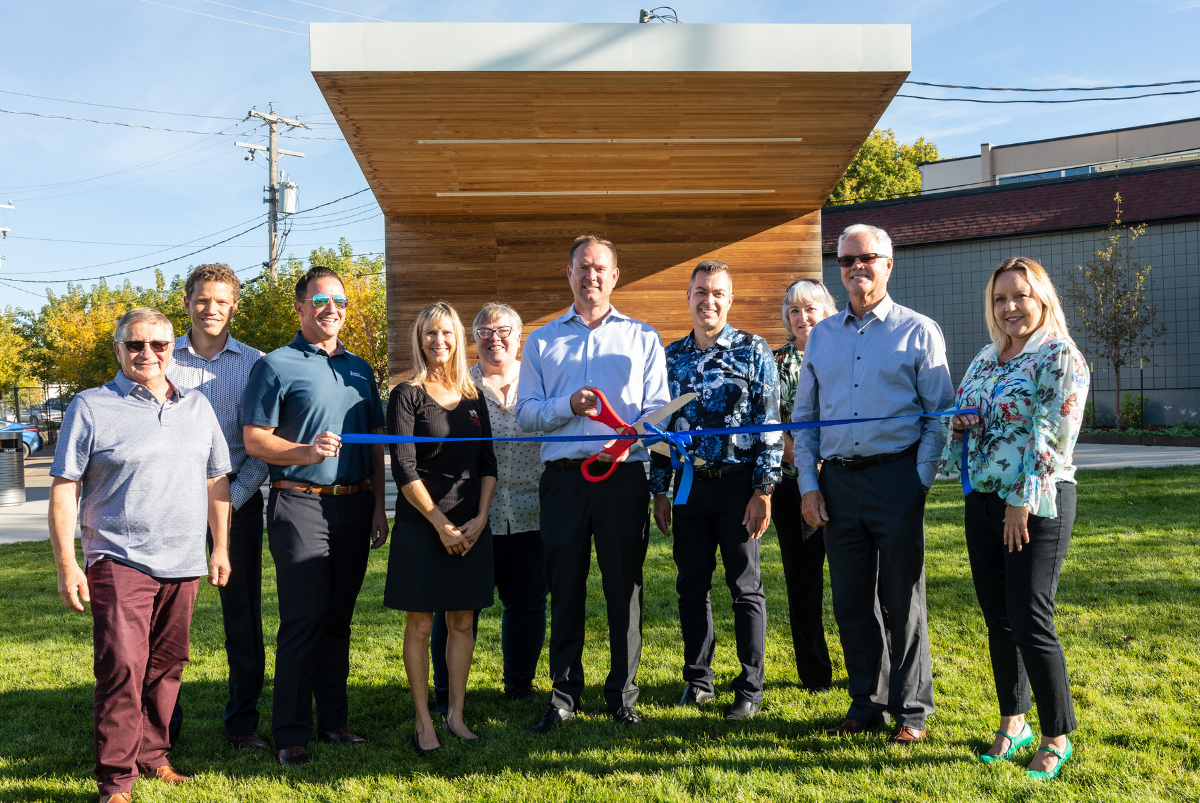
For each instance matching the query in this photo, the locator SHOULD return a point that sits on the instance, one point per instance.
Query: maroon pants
(140, 638)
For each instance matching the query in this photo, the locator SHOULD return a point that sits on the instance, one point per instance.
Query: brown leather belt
(332, 490)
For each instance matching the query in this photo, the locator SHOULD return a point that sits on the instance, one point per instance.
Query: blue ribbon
(680, 459)
(655, 434)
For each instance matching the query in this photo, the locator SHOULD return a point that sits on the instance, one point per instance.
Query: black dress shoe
(341, 736)
(248, 741)
(625, 715)
(522, 693)
(292, 756)
(693, 695)
(816, 689)
(742, 709)
(553, 716)
(421, 751)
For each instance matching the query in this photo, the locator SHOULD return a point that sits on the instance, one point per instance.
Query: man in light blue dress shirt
(874, 359)
(209, 359)
(592, 346)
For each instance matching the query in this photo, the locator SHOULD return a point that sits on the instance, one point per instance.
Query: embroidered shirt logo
(355, 373)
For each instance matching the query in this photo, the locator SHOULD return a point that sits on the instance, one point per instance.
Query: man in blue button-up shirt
(592, 346)
(874, 359)
(733, 374)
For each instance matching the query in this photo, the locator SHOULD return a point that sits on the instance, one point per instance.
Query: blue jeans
(521, 581)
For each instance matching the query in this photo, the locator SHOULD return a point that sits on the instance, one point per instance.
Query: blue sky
(153, 190)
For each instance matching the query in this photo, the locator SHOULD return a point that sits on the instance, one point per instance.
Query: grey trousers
(875, 541)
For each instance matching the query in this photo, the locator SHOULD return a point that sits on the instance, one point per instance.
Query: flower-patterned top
(1031, 409)
(736, 386)
(788, 361)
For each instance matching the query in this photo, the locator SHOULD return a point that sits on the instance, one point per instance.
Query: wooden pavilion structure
(490, 147)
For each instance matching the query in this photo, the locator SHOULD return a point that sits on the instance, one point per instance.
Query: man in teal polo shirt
(326, 508)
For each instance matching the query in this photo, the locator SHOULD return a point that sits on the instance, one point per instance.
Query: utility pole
(4, 235)
(273, 189)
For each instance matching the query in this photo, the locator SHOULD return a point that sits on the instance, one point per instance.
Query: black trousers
(875, 541)
(802, 552)
(1016, 592)
(712, 520)
(320, 544)
(616, 512)
(520, 569)
(241, 614)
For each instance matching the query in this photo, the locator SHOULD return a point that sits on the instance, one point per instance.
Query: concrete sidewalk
(27, 522)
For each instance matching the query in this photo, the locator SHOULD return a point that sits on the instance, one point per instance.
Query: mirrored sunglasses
(320, 300)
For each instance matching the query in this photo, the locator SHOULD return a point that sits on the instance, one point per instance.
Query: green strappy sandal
(1063, 755)
(1015, 743)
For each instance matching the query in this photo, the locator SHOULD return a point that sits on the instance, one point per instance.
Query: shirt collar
(571, 314)
(303, 345)
(126, 387)
(477, 375)
(185, 342)
(724, 340)
(881, 311)
(1035, 342)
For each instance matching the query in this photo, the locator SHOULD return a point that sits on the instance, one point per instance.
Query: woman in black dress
(441, 553)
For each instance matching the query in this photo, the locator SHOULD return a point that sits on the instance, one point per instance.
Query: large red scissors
(606, 415)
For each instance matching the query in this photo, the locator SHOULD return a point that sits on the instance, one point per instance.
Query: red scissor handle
(606, 415)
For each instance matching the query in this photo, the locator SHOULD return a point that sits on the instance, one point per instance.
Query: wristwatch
(768, 489)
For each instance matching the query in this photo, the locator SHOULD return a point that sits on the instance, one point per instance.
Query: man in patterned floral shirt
(730, 502)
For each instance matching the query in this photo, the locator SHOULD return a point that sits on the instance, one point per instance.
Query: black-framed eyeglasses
(138, 346)
(321, 300)
(867, 259)
(501, 331)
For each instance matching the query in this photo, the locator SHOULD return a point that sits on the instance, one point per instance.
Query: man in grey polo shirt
(124, 449)
(326, 508)
(874, 359)
(209, 359)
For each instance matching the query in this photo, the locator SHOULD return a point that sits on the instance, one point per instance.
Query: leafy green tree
(883, 168)
(1108, 293)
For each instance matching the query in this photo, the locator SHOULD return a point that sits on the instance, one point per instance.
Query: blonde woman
(1029, 386)
(441, 554)
(801, 546)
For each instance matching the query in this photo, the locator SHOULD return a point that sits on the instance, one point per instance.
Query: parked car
(30, 437)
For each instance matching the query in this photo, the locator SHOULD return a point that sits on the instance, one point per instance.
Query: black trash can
(12, 469)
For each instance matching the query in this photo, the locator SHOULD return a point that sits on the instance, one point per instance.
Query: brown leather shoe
(292, 756)
(119, 797)
(341, 736)
(852, 727)
(167, 774)
(905, 735)
(249, 741)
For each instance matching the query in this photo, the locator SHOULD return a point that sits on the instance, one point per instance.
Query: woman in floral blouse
(1029, 386)
(801, 547)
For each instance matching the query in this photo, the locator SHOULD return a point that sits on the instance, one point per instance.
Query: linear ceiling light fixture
(604, 192)
(639, 141)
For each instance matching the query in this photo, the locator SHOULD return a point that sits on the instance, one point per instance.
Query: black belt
(564, 465)
(859, 463)
(719, 471)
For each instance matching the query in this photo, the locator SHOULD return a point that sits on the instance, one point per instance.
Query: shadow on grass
(46, 735)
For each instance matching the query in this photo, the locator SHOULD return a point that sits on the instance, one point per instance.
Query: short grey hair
(140, 315)
(493, 310)
(882, 240)
(810, 290)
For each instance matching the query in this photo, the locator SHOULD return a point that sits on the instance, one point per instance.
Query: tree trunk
(1117, 408)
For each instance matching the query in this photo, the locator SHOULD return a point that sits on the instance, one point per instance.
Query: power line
(1071, 100)
(334, 201)
(226, 19)
(124, 183)
(1054, 89)
(123, 108)
(251, 11)
(335, 225)
(126, 125)
(336, 11)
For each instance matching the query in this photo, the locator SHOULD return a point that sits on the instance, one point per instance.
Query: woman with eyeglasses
(518, 560)
(1029, 386)
(801, 546)
(441, 554)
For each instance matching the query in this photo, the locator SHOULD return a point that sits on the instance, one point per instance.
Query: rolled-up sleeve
(534, 410)
(250, 478)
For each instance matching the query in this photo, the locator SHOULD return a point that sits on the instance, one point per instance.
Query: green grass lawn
(1127, 615)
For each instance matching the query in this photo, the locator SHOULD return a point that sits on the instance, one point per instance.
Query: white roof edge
(606, 47)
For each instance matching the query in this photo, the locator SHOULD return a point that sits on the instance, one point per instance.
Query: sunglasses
(867, 259)
(501, 331)
(321, 300)
(138, 346)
